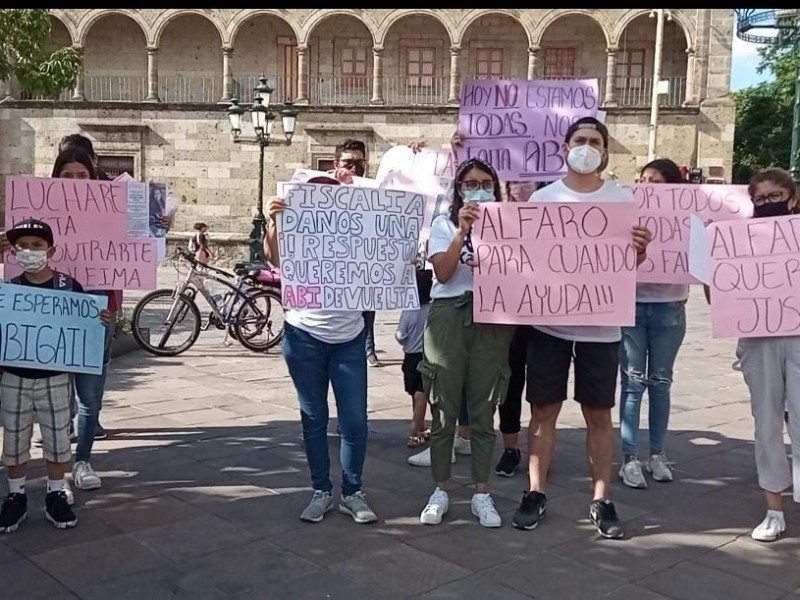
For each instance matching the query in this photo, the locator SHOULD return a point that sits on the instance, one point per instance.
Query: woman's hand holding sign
(467, 216)
(641, 238)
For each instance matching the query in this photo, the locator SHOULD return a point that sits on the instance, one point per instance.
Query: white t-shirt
(329, 326)
(443, 230)
(559, 192)
(650, 293)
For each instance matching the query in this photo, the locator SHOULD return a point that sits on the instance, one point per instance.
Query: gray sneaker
(356, 506)
(321, 502)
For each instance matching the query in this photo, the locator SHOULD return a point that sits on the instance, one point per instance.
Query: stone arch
(557, 14)
(248, 14)
(321, 16)
(403, 13)
(474, 15)
(57, 22)
(163, 21)
(93, 16)
(632, 15)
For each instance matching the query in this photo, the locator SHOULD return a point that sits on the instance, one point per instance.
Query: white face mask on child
(32, 261)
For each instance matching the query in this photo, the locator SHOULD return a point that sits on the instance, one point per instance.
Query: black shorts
(596, 368)
(412, 379)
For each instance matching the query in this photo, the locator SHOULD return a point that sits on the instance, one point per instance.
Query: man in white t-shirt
(595, 349)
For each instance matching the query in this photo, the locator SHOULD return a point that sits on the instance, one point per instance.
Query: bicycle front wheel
(165, 325)
(259, 320)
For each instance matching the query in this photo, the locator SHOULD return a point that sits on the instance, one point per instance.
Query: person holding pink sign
(771, 369)
(647, 358)
(595, 349)
(461, 357)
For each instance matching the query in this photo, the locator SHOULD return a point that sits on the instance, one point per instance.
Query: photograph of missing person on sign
(158, 209)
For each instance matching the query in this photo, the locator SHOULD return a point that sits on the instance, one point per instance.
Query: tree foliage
(25, 53)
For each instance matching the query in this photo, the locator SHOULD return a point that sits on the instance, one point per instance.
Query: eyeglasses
(349, 162)
(472, 186)
(770, 198)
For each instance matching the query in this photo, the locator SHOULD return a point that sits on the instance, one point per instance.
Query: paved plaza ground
(204, 478)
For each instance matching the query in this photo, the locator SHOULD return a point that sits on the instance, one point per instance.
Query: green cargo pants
(463, 360)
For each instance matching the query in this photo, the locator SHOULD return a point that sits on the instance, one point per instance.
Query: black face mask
(772, 209)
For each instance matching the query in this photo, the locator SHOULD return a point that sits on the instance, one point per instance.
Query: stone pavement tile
(545, 575)
(92, 562)
(147, 513)
(730, 511)
(477, 548)
(320, 585)
(202, 416)
(169, 407)
(274, 468)
(7, 552)
(337, 538)
(265, 515)
(193, 537)
(36, 535)
(203, 496)
(575, 507)
(772, 564)
(631, 592)
(225, 446)
(474, 586)
(247, 568)
(165, 583)
(399, 569)
(23, 579)
(683, 491)
(690, 581)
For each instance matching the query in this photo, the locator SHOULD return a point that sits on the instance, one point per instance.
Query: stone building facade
(155, 85)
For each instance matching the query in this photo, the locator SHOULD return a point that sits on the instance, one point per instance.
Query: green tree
(763, 135)
(25, 53)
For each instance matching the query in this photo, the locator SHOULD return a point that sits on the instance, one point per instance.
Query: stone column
(227, 74)
(78, 91)
(691, 93)
(377, 75)
(532, 52)
(611, 76)
(152, 74)
(302, 75)
(455, 79)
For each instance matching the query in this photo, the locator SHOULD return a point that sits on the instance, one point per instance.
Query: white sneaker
(483, 508)
(84, 476)
(771, 528)
(437, 507)
(659, 468)
(462, 446)
(423, 459)
(68, 493)
(631, 474)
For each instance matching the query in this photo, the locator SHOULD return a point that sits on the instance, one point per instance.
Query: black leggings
(511, 409)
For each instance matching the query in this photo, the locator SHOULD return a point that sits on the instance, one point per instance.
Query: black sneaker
(58, 511)
(100, 432)
(604, 515)
(530, 511)
(508, 463)
(14, 511)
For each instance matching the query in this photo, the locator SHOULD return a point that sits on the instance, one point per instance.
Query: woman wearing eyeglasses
(771, 369)
(462, 358)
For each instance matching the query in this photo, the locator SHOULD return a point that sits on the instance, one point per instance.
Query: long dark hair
(464, 168)
(71, 155)
(669, 170)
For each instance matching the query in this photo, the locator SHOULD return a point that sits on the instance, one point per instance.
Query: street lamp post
(786, 21)
(262, 119)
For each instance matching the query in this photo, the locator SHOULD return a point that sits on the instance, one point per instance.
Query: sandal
(415, 441)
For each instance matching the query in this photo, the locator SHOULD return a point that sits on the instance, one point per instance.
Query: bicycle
(237, 310)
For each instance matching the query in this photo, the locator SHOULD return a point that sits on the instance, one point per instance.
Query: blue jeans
(313, 365)
(647, 357)
(369, 329)
(89, 394)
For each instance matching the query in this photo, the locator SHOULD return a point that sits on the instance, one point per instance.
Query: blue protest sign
(51, 329)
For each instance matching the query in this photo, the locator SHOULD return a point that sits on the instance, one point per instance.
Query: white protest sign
(699, 252)
(425, 162)
(349, 248)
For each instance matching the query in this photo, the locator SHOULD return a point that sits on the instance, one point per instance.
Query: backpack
(63, 281)
(194, 244)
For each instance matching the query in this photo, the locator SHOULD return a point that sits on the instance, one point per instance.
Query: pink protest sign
(90, 225)
(755, 277)
(665, 209)
(555, 263)
(518, 125)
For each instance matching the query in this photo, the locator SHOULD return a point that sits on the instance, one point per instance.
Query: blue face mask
(478, 196)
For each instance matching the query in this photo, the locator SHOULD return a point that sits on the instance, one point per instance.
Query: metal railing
(631, 92)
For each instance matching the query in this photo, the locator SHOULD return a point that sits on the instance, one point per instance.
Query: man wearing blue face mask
(595, 349)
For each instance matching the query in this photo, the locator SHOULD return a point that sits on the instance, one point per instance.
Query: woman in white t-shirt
(324, 348)
(462, 358)
(647, 358)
